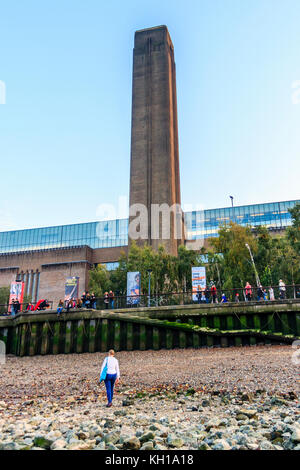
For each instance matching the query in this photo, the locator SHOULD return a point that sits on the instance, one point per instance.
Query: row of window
(204, 224)
(106, 234)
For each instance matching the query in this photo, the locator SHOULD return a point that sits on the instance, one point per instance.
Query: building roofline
(113, 220)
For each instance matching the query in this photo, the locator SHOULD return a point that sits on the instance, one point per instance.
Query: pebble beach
(195, 399)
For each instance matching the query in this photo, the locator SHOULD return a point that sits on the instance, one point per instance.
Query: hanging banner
(16, 293)
(198, 280)
(71, 288)
(133, 287)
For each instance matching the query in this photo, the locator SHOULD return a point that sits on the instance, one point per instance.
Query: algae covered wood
(129, 337)
(56, 329)
(155, 338)
(32, 340)
(142, 337)
(117, 335)
(92, 336)
(80, 336)
(104, 335)
(68, 339)
(45, 339)
(182, 339)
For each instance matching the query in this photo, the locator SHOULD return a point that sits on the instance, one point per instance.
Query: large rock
(112, 437)
(133, 443)
(82, 445)
(53, 435)
(100, 446)
(221, 444)
(59, 444)
(128, 402)
(241, 417)
(248, 413)
(120, 412)
(147, 446)
(83, 435)
(148, 436)
(213, 423)
(296, 434)
(9, 446)
(111, 447)
(174, 441)
(247, 396)
(43, 442)
(204, 446)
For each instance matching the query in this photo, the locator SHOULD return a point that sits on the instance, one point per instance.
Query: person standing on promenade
(271, 293)
(106, 299)
(213, 291)
(87, 300)
(111, 296)
(282, 289)
(12, 308)
(93, 301)
(260, 293)
(112, 375)
(248, 291)
(83, 299)
(207, 294)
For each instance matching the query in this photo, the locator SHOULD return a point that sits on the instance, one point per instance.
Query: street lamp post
(254, 267)
(149, 286)
(233, 218)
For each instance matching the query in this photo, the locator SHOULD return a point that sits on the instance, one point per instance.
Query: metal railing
(203, 297)
(6, 309)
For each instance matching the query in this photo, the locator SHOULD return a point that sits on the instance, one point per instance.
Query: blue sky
(65, 127)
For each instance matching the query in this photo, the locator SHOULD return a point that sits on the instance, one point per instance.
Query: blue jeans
(109, 384)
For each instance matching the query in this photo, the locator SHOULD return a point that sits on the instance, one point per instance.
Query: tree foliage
(4, 298)
(228, 262)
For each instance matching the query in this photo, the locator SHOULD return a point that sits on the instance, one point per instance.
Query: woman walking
(112, 375)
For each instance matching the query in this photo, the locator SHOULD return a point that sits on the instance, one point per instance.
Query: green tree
(293, 232)
(185, 261)
(99, 281)
(234, 266)
(4, 298)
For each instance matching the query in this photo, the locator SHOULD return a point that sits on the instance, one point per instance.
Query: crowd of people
(87, 300)
(209, 293)
(16, 307)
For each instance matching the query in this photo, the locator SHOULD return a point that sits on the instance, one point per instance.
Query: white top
(112, 366)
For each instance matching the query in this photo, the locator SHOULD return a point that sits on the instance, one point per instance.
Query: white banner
(198, 280)
(133, 287)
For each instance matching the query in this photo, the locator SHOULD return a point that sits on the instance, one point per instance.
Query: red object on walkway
(38, 304)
